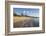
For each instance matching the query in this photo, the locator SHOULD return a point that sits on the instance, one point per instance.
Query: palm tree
(14, 14)
(22, 14)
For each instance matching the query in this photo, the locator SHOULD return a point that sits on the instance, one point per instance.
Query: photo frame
(24, 14)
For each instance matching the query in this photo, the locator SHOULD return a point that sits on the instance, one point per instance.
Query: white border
(25, 29)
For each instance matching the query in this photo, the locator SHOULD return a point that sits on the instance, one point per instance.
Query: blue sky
(27, 11)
